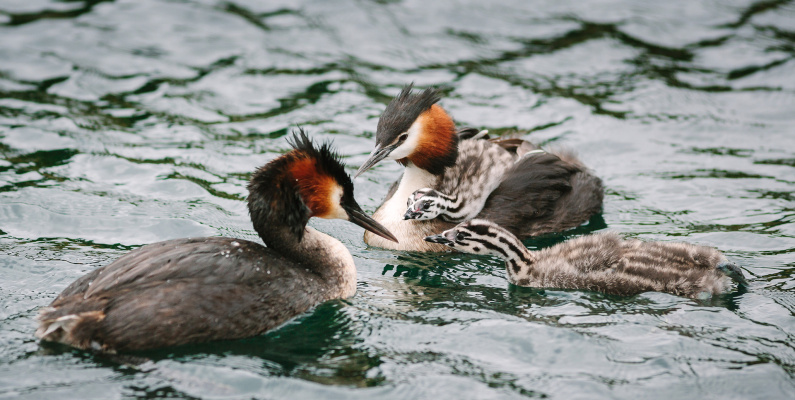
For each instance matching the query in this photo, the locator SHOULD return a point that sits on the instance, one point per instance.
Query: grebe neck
(319, 253)
(414, 178)
(519, 259)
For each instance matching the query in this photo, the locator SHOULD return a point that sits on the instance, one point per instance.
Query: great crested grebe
(201, 289)
(527, 193)
(602, 262)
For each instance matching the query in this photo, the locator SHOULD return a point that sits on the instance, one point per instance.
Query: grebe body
(202, 289)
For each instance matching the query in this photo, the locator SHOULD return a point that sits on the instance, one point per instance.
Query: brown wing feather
(543, 194)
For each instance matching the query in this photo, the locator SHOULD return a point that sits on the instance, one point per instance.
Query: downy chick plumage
(603, 262)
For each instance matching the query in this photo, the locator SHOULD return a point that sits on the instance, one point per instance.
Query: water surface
(123, 123)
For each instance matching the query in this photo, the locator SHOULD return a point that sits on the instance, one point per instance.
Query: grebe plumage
(465, 199)
(526, 192)
(603, 262)
(202, 289)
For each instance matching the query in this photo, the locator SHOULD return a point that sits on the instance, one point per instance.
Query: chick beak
(358, 217)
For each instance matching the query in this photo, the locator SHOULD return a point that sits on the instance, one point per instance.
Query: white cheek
(470, 248)
(336, 212)
(427, 215)
(413, 139)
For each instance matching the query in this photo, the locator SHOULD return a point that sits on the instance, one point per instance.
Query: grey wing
(189, 311)
(211, 259)
(118, 268)
(528, 200)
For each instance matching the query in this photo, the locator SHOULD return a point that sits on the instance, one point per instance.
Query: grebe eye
(402, 137)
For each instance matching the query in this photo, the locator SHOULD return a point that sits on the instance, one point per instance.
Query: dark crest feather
(402, 111)
(328, 160)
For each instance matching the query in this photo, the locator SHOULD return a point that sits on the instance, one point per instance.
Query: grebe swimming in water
(526, 191)
(602, 262)
(202, 289)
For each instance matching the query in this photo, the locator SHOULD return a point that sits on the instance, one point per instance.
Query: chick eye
(426, 206)
(460, 237)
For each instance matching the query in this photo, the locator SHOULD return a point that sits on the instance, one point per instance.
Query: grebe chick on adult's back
(528, 195)
(201, 289)
(602, 262)
(463, 201)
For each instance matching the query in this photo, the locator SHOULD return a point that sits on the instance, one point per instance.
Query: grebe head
(306, 182)
(414, 128)
(476, 236)
(424, 204)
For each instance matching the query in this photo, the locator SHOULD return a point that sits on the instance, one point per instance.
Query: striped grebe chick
(426, 203)
(528, 195)
(202, 289)
(464, 201)
(603, 262)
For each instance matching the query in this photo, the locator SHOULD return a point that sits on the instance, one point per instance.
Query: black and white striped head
(480, 236)
(424, 204)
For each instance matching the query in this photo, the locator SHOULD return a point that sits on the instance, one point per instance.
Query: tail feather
(54, 330)
(733, 271)
(65, 328)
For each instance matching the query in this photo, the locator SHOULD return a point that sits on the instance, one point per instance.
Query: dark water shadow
(26, 18)
(596, 223)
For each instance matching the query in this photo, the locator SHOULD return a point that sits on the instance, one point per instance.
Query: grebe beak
(440, 238)
(376, 156)
(358, 217)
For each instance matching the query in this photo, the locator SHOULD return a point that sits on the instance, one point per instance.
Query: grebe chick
(202, 289)
(528, 195)
(463, 203)
(602, 262)
(426, 203)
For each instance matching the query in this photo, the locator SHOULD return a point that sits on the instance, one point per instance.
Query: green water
(124, 123)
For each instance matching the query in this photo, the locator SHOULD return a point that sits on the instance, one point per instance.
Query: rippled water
(128, 122)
